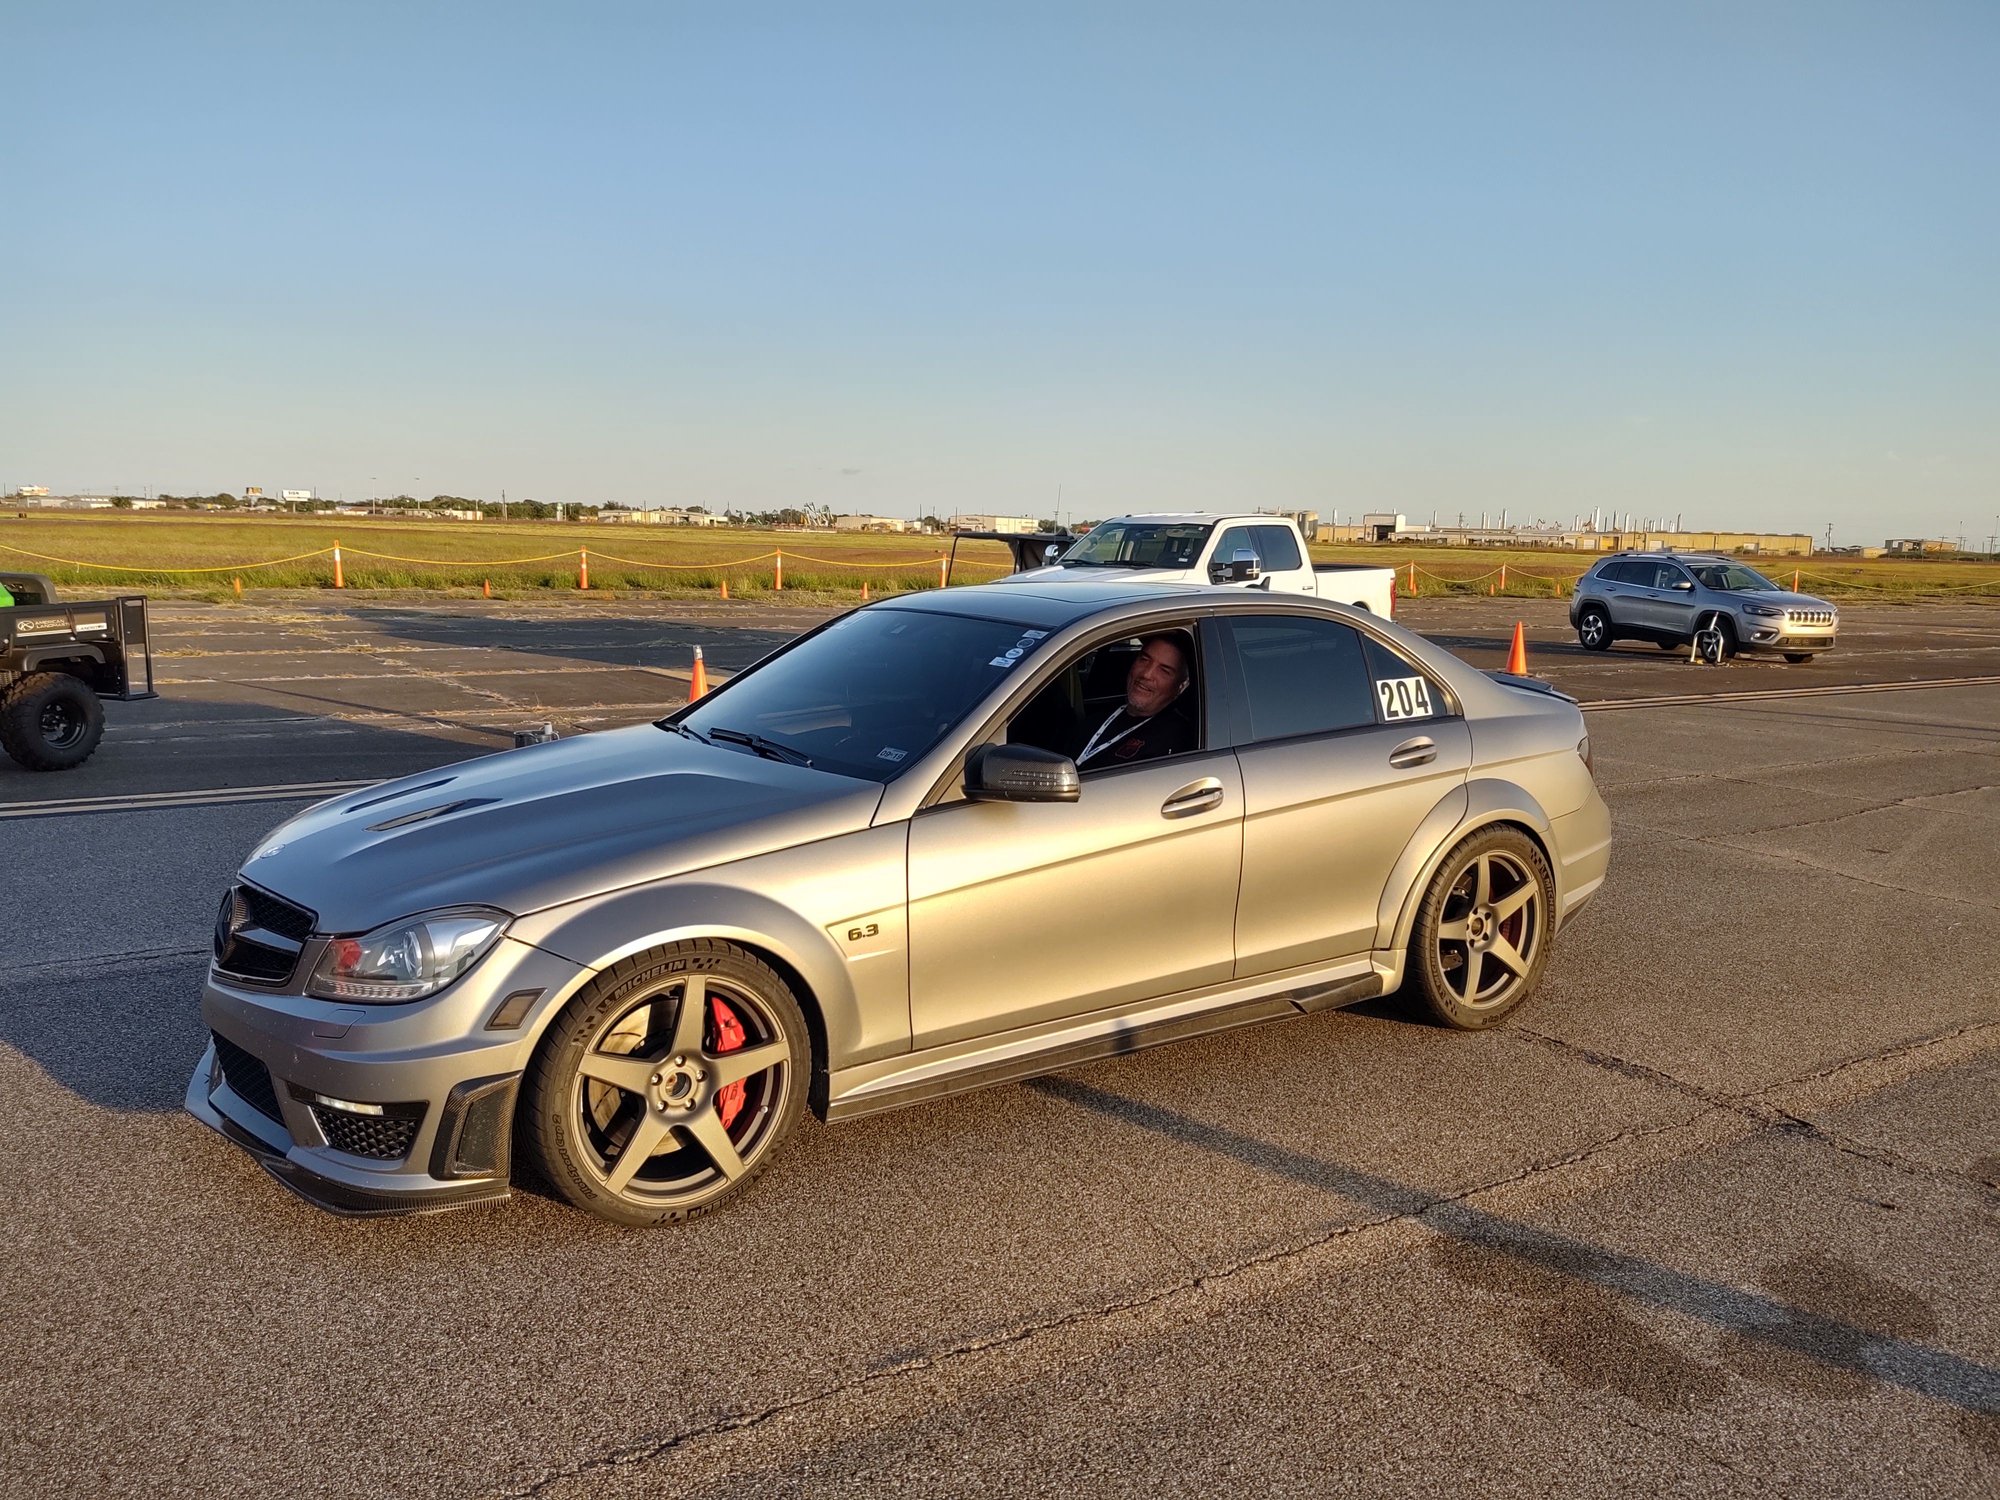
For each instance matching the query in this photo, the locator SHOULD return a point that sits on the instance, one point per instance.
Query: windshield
(1731, 578)
(866, 696)
(1139, 544)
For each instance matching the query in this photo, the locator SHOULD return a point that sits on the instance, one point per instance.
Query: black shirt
(1130, 738)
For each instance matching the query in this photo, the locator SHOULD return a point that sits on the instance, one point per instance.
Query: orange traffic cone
(699, 684)
(725, 588)
(239, 586)
(486, 587)
(583, 567)
(1517, 655)
(864, 591)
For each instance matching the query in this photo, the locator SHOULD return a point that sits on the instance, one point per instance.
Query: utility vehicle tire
(49, 721)
(1481, 938)
(643, 1110)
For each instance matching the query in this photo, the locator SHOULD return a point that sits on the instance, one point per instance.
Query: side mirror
(1684, 587)
(1020, 773)
(1241, 568)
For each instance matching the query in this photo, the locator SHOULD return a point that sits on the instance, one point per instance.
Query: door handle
(1417, 752)
(1196, 796)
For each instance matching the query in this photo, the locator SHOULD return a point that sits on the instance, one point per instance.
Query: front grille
(259, 936)
(1808, 617)
(377, 1137)
(248, 1077)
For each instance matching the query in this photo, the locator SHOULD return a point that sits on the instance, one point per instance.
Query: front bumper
(1765, 634)
(387, 1109)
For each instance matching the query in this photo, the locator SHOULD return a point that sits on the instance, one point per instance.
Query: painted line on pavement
(302, 791)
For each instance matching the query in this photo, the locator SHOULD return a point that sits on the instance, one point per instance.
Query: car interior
(1086, 692)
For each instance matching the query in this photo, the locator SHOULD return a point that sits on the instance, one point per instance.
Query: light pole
(371, 494)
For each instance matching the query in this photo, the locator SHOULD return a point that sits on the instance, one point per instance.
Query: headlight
(1762, 609)
(406, 960)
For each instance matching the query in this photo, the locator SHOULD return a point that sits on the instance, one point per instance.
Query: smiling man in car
(1149, 723)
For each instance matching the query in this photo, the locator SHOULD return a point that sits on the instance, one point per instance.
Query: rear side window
(1301, 676)
(1276, 547)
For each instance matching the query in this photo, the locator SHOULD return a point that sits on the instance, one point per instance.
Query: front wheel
(1798, 658)
(49, 721)
(1482, 934)
(663, 1090)
(1593, 628)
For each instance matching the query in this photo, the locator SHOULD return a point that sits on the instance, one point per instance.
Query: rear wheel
(49, 721)
(664, 1089)
(1481, 937)
(1593, 628)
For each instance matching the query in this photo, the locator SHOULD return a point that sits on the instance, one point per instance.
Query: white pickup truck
(1247, 551)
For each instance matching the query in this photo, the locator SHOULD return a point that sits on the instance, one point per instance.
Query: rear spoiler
(1530, 685)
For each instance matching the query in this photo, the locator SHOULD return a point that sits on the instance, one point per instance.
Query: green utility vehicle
(57, 661)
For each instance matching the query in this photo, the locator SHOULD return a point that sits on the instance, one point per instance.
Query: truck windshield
(1139, 544)
(868, 695)
(1732, 578)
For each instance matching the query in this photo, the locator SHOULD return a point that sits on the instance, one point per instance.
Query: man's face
(1155, 679)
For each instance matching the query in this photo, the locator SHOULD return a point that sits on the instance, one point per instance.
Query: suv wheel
(1798, 658)
(1593, 628)
(1482, 934)
(49, 721)
(663, 1089)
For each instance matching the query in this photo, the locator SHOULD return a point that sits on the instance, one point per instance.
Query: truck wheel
(49, 721)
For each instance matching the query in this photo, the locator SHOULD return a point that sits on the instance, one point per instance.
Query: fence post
(583, 567)
(338, 581)
(778, 577)
(944, 569)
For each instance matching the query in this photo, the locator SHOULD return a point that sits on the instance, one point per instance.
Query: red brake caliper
(729, 1037)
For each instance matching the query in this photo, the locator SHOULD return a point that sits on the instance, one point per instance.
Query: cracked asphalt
(1717, 1214)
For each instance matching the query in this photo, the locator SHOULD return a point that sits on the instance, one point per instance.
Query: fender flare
(606, 932)
(1475, 805)
(38, 659)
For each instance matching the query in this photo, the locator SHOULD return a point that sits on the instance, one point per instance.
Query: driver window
(1121, 702)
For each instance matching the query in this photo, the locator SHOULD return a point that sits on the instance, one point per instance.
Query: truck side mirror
(1242, 567)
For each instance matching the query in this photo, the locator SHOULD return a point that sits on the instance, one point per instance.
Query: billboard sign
(291, 495)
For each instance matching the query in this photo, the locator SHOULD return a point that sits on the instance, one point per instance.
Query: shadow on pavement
(1962, 1383)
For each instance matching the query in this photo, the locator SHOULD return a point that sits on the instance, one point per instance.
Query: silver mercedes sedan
(943, 841)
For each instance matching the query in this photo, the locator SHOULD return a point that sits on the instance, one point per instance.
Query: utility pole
(371, 494)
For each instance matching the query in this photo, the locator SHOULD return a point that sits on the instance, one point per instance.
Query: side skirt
(1113, 1038)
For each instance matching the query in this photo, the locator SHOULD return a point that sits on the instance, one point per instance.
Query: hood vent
(408, 791)
(431, 812)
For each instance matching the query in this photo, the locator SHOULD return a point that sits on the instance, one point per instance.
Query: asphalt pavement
(1717, 1213)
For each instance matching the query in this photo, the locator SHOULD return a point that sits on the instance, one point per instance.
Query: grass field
(203, 556)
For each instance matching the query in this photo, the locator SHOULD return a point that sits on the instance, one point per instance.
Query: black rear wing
(1530, 684)
(109, 637)
(1030, 549)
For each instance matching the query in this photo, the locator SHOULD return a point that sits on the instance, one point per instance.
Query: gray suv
(1665, 597)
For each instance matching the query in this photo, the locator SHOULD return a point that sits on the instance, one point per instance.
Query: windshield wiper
(693, 734)
(769, 749)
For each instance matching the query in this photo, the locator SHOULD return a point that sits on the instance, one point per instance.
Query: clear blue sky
(1737, 261)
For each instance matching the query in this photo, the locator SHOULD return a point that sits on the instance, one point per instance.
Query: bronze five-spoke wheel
(1481, 936)
(665, 1088)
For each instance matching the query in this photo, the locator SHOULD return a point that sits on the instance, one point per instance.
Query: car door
(1028, 912)
(1345, 746)
(1278, 551)
(1673, 600)
(1624, 587)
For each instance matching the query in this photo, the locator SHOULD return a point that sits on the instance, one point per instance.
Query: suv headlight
(1762, 609)
(406, 960)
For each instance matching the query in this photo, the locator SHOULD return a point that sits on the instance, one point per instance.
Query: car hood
(1781, 599)
(530, 828)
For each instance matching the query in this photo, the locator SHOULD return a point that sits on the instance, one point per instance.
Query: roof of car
(1668, 555)
(1047, 608)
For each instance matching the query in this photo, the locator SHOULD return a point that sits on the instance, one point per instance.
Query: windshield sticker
(889, 754)
(1019, 649)
(1001, 661)
(1404, 698)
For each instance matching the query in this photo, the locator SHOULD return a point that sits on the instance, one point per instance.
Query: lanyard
(1094, 746)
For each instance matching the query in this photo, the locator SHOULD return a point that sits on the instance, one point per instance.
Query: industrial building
(1591, 536)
